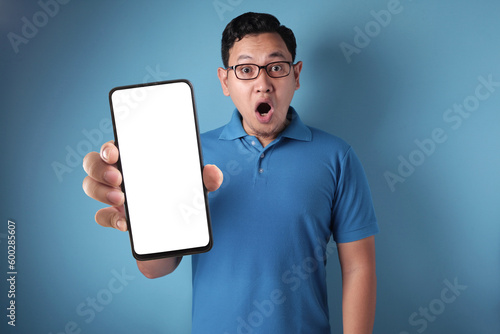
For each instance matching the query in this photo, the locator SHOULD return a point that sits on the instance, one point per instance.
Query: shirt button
(261, 170)
(253, 142)
(262, 155)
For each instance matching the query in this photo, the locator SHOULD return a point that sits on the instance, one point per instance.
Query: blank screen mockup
(156, 133)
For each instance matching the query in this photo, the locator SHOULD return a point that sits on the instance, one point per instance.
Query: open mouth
(263, 108)
(264, 111)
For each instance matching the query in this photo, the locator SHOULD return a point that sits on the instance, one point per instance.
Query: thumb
(212, 177)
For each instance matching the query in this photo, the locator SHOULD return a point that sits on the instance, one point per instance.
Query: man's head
(263, 99)
(254, 24)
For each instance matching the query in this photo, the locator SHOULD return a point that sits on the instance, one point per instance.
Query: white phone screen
(156, 133)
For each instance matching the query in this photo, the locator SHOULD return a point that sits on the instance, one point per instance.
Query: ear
(222, 74)
(296, 72)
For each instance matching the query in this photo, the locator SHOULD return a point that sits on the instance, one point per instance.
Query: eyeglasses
(277, 69)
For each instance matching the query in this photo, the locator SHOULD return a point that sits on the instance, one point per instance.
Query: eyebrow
(242, 57)
(276, 54)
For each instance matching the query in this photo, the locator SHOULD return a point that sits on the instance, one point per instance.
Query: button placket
(263, 161)
(260, 168)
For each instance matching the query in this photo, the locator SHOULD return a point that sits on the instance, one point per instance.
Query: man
(287, 188)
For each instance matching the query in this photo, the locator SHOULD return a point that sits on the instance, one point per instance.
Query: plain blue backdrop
(413, 86)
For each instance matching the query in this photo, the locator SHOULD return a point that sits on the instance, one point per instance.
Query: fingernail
(105, 153)
(121, 225)
(115, 196)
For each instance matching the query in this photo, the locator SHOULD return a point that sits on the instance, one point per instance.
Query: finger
(103, 193)
(212, 177)
(112, 217)
(109, 152)
(99, 170)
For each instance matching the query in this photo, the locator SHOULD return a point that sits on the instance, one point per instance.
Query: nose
(263, 83)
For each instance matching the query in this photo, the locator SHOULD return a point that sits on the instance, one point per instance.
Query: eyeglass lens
(251, 71)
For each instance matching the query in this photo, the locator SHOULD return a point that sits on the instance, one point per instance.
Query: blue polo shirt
(272, 219)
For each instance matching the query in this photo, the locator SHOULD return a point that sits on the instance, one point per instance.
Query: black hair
(254, 23)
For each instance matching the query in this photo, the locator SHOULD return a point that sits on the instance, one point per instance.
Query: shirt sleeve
(353, 215)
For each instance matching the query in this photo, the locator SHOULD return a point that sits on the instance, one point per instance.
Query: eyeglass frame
(290, 63)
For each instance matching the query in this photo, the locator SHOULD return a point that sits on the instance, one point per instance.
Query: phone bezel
(171, 253)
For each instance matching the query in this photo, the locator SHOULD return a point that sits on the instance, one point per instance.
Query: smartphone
(156, 131)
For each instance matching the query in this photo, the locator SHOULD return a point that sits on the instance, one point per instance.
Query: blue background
(441, 223)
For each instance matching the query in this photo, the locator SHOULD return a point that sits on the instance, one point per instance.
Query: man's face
(253, 98)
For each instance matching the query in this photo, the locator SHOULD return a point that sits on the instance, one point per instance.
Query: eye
(277, 68)
(245, 69)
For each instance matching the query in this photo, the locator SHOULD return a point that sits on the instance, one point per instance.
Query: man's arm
(359, 285)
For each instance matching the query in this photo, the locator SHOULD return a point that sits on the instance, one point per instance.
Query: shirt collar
(295, 129)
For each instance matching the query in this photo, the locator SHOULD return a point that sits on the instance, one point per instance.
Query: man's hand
(104, 180)
(103, 184)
